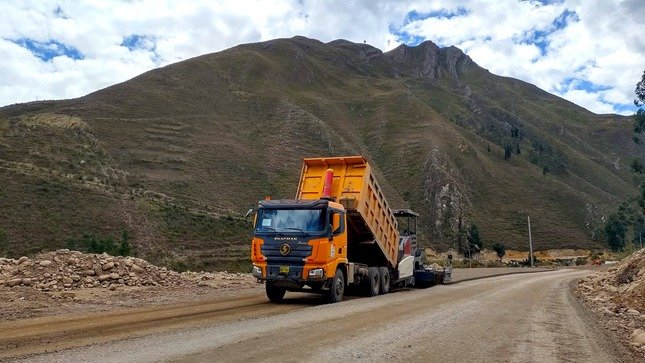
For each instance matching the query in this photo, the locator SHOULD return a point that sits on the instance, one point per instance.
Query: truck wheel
(384, 272)
(373, 281)
(275, 293)
(337, 289)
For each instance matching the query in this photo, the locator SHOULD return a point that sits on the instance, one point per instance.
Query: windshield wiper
(296, 229)
(269, 228)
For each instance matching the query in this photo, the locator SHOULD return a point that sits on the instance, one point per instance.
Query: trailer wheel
(275, 293)
(373, 281)
(337, 289)
(384, 273)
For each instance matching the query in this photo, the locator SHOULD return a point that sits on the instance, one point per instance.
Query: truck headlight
(257, 272)
(316, 273)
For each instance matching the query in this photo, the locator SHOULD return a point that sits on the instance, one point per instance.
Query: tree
(125, 249)
(545, 170)
(500, 249)
(4, 242)
(640, 92)
(639, 117)
(637, 166)
(474, 240)
(508, 151)
(616, 229)
(462, 234)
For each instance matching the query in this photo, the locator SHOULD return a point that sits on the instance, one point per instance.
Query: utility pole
(530, 241)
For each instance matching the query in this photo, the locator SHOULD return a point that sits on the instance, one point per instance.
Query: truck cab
(298, 245)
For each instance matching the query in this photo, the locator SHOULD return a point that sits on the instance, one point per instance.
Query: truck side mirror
(248, 213)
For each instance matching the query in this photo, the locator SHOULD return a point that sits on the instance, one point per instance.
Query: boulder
(103, 278)
(45, 263)
(89, 272)
(13, 282)
(639, 338)
(108, 266)
(633, 312)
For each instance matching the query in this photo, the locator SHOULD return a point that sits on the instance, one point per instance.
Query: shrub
(500, 249)
(92, 244)
(581, 261)
(4, 242)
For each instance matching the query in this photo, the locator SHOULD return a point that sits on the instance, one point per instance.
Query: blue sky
(589, 52)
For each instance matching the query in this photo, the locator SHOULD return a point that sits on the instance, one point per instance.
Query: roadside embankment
(618, 293)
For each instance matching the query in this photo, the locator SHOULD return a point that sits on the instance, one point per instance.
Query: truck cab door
(339, 233)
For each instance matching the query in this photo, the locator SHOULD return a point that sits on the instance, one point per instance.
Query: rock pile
(619, 293)
(66, 270)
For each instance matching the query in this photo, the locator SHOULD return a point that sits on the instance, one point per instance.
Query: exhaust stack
(329, 180)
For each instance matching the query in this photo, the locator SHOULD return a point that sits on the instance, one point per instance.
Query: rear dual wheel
(373, 281)
(386, 283)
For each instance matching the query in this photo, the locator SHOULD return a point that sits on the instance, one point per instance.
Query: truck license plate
(284, 270)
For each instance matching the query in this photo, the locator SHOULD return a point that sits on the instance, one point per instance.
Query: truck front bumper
(297, 276)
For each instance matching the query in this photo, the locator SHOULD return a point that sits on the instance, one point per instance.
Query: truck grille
(298, 252)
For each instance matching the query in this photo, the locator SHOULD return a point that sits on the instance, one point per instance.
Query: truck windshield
(291, 220)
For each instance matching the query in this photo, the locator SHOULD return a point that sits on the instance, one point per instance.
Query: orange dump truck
(338, 232)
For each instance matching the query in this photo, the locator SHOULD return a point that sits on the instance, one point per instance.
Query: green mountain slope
(176, 155)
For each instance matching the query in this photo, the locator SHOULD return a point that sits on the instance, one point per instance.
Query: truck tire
(275, 293)
(384, 273)
(337, 288)
(373, 281)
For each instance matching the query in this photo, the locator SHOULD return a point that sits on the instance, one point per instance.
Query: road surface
(524, 317)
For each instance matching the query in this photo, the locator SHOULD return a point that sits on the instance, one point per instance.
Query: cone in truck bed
(369, 216)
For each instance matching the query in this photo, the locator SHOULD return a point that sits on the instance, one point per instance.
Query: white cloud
(603, 48)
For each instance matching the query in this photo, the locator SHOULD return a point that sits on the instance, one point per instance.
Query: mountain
(174, 157)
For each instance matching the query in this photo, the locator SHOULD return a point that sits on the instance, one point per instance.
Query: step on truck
(338, 233)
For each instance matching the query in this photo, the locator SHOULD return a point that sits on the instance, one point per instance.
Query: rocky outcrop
(447, 204)
(428, 61)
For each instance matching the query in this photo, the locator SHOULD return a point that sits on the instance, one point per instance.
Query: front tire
(275, 293)
(337, 289)
(373, 281)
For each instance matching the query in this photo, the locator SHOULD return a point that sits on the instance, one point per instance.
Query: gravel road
(525, 317)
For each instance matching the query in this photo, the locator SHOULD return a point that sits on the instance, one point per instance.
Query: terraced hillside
(176, 155)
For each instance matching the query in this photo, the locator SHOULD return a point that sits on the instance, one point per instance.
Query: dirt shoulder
(617, 296)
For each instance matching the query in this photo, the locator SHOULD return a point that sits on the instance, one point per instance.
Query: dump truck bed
(355, 187)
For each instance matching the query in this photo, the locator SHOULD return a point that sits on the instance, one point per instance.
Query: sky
(590, 52)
